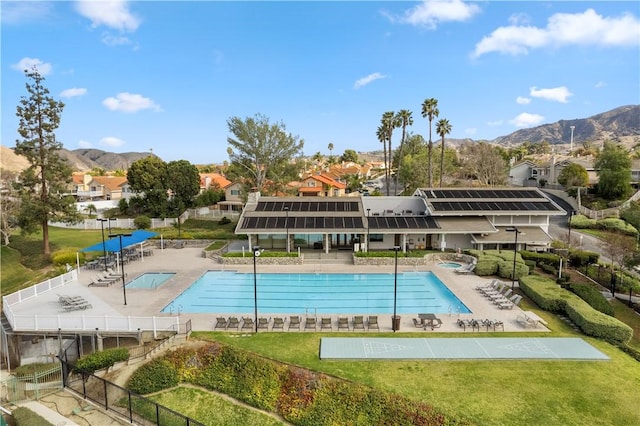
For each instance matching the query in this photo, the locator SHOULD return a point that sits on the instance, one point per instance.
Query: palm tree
(443, 127)
(430, 110)
(406, 119)
(381, 133)
(390, 121)
(330, 152)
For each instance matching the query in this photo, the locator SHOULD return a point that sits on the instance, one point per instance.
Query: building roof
(214, 178)
(112, 183)
(530, 235)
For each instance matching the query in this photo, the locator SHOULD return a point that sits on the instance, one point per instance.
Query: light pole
(515, 252)
(104, 247)
(394, 322)
(286, 210)
(571, 144)
(256, 253)
(570, 217)
(368, 224)
(124, 287)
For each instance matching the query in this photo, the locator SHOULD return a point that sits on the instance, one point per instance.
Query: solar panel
(513, 205)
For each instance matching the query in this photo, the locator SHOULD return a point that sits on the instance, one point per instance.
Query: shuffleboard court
(458, 348)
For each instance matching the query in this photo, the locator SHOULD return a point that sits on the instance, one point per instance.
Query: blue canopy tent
(113, 244)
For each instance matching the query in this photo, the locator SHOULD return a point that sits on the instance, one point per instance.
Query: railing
(599, 214)
(31, 386)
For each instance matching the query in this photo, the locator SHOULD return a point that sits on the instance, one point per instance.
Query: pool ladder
(315, 312)
(451, 310)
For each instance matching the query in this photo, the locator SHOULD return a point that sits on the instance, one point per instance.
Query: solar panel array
(447, 206)
(298, 223)
(482, 194)
(308, 206)
(402, 222)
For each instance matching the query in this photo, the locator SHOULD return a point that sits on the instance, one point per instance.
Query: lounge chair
(233, 323)
(491, 285)
(310, 324)
(509, 304)
(493, 324)
(68, 300)
(526, 321)
(221, 323)
(499, 289)
(358, 323)
(372, 322)
(502, 297)
(325, 323)
(473, 324)
(343, 323)
(466, 269)
(278, 324)
(263, 323)
(247, 324)
(294, 322)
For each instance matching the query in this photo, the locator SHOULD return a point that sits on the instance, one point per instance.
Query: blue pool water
(233, 293)
(150, 280)
(450, 265)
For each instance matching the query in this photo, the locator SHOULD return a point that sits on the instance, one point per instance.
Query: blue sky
(167, 76)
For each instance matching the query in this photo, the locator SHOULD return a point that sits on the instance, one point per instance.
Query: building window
(376, 237)
(235, 192)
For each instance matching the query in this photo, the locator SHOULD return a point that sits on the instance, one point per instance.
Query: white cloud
(563, 29)
(430, 13)
(558, 94)
(44, 68)
(112, 40)
(130, 102)
(522, 100)
(526, 120)
(73, 92)
(113, 14)
(600, 85)
(471, 131)
(519, 19)
(494, 123)
(368, 79)
(111, 142)
(16, 12)
(84, 144)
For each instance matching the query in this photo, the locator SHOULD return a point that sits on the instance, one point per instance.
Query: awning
(113, 244)
(530, 235)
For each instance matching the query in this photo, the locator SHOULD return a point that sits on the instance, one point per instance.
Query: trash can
(396, 323)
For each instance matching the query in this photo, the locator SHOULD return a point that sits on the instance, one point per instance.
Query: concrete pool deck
(188, 264)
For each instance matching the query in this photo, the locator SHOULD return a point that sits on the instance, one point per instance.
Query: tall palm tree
(406, 119)
(443, 127)
(390, 121)
(430, 110)
(381, 133)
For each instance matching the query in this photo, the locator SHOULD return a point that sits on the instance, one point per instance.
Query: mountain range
(621, 125)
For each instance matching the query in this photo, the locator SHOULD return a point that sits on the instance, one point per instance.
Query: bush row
(546, 294)
(62, 257)
(611, 224)
(300, 396)
(102, 359)
(391, 253)
(494, 262)
(593, 297)
(550, 259)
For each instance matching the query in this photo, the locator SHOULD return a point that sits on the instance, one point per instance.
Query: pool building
(432, 218)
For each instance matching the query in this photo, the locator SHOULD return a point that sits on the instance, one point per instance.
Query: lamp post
(515, 252)
(124, 287)
(104, 247)
(286, 210)
(368, 224)
(573, 212)
(394, 321)
(571, 144)
(256, 253)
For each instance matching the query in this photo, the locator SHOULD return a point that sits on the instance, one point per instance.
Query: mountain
(620, 125)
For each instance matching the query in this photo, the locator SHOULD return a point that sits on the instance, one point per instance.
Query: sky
(166, 76)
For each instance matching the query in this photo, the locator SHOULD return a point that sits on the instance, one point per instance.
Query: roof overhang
(530, 235)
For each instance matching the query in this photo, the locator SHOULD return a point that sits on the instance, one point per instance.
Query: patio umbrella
(113, 244)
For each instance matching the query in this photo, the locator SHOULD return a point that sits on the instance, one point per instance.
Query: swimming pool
(233, 293)
(150, 280)
(450, 265)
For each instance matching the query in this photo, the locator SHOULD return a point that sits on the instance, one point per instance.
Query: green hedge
(494, 262)
(580, 258)
(580, 221)
(613, 224)
(62, 257)
(154, 376)
(102, 359)
(391, 253)
(263, 254)
(546, 294)
(542, 258)
(300, 396)
(593, 297)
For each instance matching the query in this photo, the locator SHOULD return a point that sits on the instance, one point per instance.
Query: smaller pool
(150, 280)
(450, 265)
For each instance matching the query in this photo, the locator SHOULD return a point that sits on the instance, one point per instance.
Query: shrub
(62, 257)
(505, 269)
(29, 369)
(142, 222)
(582, 222)
(486, 267)
(613, 224)
(579, 258)
(531, 264)
(593, 297)
(102, 359)
(542, 258)
(25, 417)
(154, 376)
(225, 220)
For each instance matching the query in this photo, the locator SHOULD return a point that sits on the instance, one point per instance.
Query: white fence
(114, 223)
(76, 323)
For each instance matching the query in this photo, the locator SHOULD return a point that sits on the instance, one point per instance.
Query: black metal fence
(129, 405)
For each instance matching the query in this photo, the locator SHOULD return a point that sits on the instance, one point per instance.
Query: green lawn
(211, 409)
(524, 392)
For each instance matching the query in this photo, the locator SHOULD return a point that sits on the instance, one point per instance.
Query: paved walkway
(189, 264)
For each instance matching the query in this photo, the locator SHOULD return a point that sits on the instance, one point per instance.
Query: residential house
(209, 180)
(321, 185)
(97, 188)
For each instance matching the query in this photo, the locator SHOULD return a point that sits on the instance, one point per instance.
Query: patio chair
(294, 322)
(343, 323)
(491, 285)
(310, 323)
(502, 297)
(63, 299)
(466, 269)
(526, 321)
(263, 323)
(278, 324)
(509, 304)
(498, 289)
(97, 282)
(358, 323)
(433, 323)
(493, 324)
(233, 323)
(221, 324)
(465, 323)
(372, 322)
(418, 323)
(325, 323)
(247, 324)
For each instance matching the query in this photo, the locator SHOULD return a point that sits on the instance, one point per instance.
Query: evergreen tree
(614, 172)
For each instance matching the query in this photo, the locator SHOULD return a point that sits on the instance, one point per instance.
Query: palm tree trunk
(430, 158)
(388, 169)
(441, 161)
